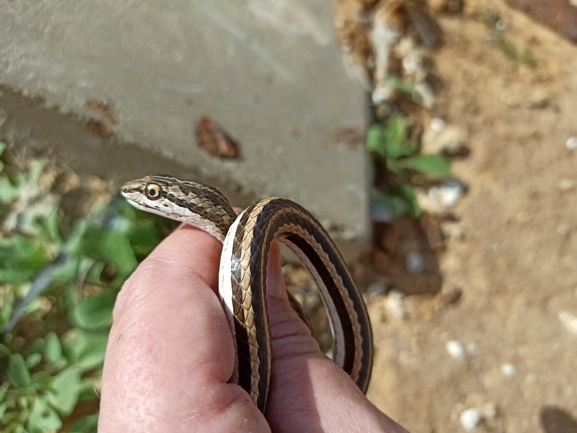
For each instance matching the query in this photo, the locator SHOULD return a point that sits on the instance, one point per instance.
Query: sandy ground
(517, 261)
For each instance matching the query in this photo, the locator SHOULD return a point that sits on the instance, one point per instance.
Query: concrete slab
(269, 72)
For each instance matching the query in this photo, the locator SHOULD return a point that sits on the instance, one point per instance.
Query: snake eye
(152, 191)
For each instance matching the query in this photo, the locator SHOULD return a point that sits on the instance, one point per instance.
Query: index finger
(170, 351)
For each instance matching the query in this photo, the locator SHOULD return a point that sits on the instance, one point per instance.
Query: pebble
(394, 304)
(569, 321)
(415, 262)
(566, 184)
(437, 124)
(452, 230)
(471, 419)
(380, 212)
(571, 143)
(456, 349)
(441, 138)
(508, 370)
(448, 193)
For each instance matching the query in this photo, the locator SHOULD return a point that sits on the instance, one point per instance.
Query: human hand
(171, 353)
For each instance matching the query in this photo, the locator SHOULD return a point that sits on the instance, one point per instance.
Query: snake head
(190, 202)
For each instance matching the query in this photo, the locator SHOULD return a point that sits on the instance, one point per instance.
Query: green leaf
(33, 360)
(20, 259)
(2, 147)
(37, 346)
(432, 165)
(41, 380)
(408, 194)
(53, 349)
(66, 386)
(3, 390)
(4, 350)
(3, 408)
(394, 166)
(8, 191)
(95, 311)
(376, 139)
(88, 424)
(391, 141)
(68, 271)
(42, 416)
(394, 206)
(47, 228)
(17, 372)
(6, 309)
(85, 349)
(143, 238)
(400, 85)
(111, 246)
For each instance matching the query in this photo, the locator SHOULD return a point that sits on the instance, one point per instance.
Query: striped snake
(246, 242)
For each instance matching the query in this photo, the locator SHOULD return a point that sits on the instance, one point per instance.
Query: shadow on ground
(556, 420)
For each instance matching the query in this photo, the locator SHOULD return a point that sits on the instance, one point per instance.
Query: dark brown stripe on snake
(296, 217)
(242, 339)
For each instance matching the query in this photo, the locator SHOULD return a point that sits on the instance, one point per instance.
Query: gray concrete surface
(270, 72)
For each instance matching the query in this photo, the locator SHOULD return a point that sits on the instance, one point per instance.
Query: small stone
(571, 143)
(394, 304)
(441, 138)
(471, 419)
(452, 230)
(415, 262)
(437, 124)
(456, 349)
(508, 370)
(380, 212)
(569, 321)
(567, 184)
(501, 25)
(447, 194)
(450, 192)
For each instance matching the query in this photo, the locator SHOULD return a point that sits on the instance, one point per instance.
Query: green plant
(392, 145)
(62, 288)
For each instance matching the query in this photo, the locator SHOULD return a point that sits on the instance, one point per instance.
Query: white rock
(456, 349)
(452, 230)
(441, 138)
(571, 143)
(508, 370)
(448, 193)
(569, 321)
(437, 124)
(567, 184)
(394, 304)
(471, 419)
(414, 262)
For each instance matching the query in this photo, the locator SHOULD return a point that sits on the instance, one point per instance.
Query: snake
(246, 240)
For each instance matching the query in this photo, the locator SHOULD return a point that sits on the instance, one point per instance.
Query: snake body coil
(246, 243)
